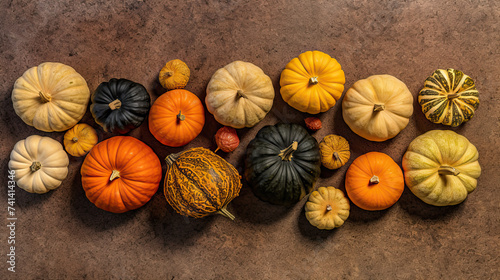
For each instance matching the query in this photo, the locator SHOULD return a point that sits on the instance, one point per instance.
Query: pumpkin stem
(180, 116)
(336, 156)
(287, 154)
(45, 97)
(225, 213)
(218, 148)
(115, 174)
(35, 166)
(329, 207)
(169, 73)
(374, 180)
(116, 104)
(75, 139)
(313, 80)
(241, 94)
(378, 107)
(453, 95)
(170, 159)
(448, 170)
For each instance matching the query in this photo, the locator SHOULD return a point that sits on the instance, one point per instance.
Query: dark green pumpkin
(120, 105)
(282, 163)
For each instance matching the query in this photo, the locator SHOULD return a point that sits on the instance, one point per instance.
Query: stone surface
(61, 235)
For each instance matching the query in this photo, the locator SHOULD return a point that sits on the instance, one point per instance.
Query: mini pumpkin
(80, 139)
(449, 97)
(51, 97)
(120, 174)
(374, 181)
(312, 82)
(239, 95)
(120, 105)
(199, 183)
(327, 208)
(282, 163)
(441, 167)
(175, 74)
(335, 151)
(377, 108)
(40, 164)
(227, 140)
(176, 118)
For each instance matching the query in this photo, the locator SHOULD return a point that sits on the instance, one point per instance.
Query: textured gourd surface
(62, 235)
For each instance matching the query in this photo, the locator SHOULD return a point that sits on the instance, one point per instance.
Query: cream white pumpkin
(40, 164)
(239, 95)
(51, 97)
(377, 108)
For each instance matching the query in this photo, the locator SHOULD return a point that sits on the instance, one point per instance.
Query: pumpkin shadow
(414, 206)
(357, 214)
(249, 208)
(311, 232)
(174, 229)
(92, 216)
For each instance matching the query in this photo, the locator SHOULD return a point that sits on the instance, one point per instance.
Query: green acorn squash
(120, 105)
(282, 164)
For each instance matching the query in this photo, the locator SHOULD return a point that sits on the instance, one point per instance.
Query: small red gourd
(227, 140)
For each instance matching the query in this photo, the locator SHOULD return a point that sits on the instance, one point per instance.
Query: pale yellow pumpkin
(239, 95)
(312, 82)
(51, 97)
(377, 108)
(40, 164)
(327, 208)
(80, 139)
(441, 167)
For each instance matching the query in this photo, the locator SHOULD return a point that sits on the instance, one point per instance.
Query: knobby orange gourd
(374, 181)
(176, 118)
(120, 174)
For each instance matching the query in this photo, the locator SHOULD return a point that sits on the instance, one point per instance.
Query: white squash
(377, 108)
(51, 97)
(40, 164)
(239, 95)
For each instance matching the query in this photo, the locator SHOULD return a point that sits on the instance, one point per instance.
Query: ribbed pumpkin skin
(135, 103)
(425, 158)
(139, 174)
(327, 208)
(316, 95)
(449, 97)
(335, 151)
(51, 97)
(175, 74)
(278, 181)
(199, 183)
(371, 196)
(170, 128)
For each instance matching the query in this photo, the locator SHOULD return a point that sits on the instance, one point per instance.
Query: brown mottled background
(61, 235)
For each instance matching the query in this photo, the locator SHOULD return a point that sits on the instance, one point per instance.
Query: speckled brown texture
(61, 235)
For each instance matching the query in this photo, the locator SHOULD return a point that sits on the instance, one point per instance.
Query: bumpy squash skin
(335, 151)
(279, 181)
(430, 152)
(134, 108)
(199, 183)
(449, 97)
(174, 75)
(80, 139)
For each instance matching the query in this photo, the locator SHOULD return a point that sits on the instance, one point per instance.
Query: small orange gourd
(175, 74)
(80, 139)
(227, 140)
(334, 151)
(374, 181)
(176, 118)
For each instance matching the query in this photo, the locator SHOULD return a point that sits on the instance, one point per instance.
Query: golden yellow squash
(175, 74)
(335, 151)
(327, 208)
(79, 140)
(312, 82)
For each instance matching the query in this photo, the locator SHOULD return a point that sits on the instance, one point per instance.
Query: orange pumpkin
(374, 181)
(120, 174)
(176, 118)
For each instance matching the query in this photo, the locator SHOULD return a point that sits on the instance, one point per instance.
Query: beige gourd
(40, 164)
(51, 97)
(239, 95)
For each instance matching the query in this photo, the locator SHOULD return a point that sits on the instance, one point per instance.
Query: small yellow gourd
(327, 208)
(334, 151)
(80, 139)
(174, 75)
